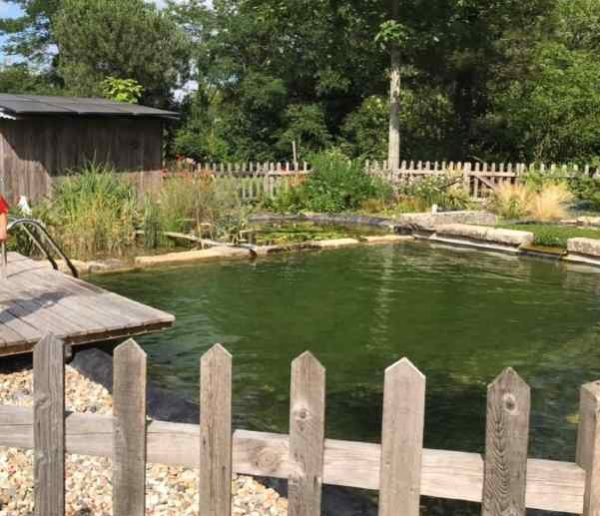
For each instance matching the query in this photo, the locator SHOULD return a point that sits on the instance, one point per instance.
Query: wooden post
(129, 410)
(588, 445)
(49, 427)
(402, 440)
(307, 436)
(215, 432)
(506, 440)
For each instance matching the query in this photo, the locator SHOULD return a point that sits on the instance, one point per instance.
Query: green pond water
(460, 316)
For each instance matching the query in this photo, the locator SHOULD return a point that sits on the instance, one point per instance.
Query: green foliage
(118, 38)
(31, 35)
(305, 124)
(19, 79)
(336, 184)
(204, 205)
(444, 190)
(555, 114)
(587, 190)
(122, 90)
(93, 212)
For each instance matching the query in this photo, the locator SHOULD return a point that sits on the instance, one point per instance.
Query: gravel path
(170, 491)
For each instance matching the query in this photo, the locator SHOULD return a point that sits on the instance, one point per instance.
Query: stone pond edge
(455, 229)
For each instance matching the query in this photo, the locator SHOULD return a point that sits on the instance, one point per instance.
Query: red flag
(3, 205)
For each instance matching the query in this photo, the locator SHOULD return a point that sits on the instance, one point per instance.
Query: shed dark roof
(17, 105)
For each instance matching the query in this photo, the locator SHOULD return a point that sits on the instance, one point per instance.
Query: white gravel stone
(170, 491)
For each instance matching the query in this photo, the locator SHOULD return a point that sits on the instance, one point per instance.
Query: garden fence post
(49, 426)
(307, 436)
(215, 433)
(588, 445)
(402, 440)
(506, 441)
(129, 438)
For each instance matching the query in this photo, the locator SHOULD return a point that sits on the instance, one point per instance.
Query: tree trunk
(394, 130)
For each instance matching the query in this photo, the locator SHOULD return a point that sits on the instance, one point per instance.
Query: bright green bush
(336, 184)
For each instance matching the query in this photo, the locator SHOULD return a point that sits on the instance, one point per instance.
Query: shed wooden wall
(36, 151)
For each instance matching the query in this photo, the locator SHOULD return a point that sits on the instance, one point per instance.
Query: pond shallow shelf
(461, 316)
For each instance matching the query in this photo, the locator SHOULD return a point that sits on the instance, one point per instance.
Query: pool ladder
(42, 240)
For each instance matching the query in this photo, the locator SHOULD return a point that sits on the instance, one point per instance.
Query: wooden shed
(44, 137)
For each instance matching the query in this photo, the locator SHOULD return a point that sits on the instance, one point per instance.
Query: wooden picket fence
(255, 181)
(505, 481)
(259, 181)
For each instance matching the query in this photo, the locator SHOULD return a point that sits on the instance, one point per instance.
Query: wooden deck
(35, 300)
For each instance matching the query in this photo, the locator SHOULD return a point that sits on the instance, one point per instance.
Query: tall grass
(546, 203)
(204, 205)
(93, 212)
(550, 203)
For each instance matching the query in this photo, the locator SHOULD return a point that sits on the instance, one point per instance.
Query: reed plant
(545, 203)
(93, 212)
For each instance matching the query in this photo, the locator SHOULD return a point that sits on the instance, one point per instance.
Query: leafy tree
(305, 125)
(125, 39)
(32, 34)
(19, 78)
(554, 115)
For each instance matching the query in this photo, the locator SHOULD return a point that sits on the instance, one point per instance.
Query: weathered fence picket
(215, 433)
(506, 482)
(402, 440)
(307, 436)
(588, 445)
(506, 439)
(129, 410)
(49, 427)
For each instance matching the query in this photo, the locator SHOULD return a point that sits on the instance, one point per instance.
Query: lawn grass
(553, 235)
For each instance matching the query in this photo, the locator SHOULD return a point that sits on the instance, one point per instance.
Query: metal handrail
(39, 226)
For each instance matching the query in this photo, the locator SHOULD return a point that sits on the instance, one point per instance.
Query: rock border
(471, 229)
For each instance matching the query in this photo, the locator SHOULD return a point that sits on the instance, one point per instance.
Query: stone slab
(497, 236)
(214, 253)
(584, 246)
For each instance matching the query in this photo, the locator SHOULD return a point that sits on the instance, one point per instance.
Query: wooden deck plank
(35, 300)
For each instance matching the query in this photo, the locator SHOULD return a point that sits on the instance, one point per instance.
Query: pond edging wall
(472, 229)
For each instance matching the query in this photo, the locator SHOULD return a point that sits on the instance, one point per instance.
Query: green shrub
(444, 190)
(336, 184)
(586, 189)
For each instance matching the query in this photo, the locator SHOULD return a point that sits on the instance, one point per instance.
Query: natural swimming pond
(461, 316)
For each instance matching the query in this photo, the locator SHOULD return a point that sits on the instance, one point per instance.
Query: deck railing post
(588, 445)
(49, 427)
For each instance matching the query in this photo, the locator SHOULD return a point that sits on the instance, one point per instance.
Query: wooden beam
(551, 485)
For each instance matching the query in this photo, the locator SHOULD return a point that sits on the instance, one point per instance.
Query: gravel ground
(170, 491)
